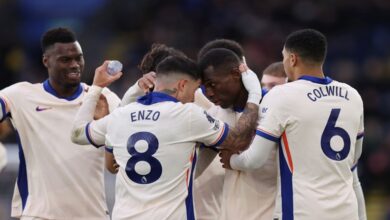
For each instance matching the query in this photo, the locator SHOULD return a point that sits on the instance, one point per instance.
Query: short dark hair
(218, 58)
(275, 69)
(155, 55)
(222, 43)
(309, 44)
(178, 64)
(57, 35)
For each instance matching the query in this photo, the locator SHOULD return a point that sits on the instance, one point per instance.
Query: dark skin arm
(241, 135)
(111, 164)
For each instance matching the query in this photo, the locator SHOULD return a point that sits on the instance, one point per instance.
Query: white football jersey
(153, 141)
(57, 179)
(248, 195)
(316, 122)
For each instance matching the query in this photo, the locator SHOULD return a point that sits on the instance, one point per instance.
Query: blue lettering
(156, 115)
(330, 90)
(132, 115)
(317, 93)
(311, 98)
(147, 116)
(141, 115)
(327, 91)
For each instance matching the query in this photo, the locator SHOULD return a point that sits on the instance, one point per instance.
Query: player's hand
(225, 158)
(147, 82)
(102, 108)
(116, 166)
(251, 83)
(102, 78)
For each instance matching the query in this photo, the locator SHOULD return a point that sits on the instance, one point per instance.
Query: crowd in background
(358, 33)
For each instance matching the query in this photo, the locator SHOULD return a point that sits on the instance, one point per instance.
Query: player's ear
(235, 73)
(182, 84)
(45, 61)
(293, 59)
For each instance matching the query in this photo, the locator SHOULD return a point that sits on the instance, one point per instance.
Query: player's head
(221, 76)
(222, 43)
(62, 56)
(304, 48)
(155, 55)
(179, 77)
(273, 75)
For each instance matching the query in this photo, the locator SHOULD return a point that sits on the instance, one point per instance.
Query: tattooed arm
(241, 135)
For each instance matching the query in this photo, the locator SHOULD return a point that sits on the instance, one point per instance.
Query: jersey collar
(48, 88)
(156, 97)
(324, 81)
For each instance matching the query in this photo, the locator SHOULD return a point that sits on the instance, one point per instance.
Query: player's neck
(63, 91)
(309, 71)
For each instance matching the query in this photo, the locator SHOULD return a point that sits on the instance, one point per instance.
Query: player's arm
(85, 130)
(207, 155)
(251, 159)
(111, 164)
(4, 109)
(141, 87)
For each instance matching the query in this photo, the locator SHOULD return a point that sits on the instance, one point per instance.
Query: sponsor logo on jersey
(39, 109)
(209, 118)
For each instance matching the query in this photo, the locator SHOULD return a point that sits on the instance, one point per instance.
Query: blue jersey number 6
(147, 156)
(329, 132)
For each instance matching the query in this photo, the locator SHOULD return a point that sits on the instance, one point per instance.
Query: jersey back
(154, 144)
(316, 123)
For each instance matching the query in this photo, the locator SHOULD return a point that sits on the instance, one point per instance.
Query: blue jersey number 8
(147, 156)
(330, 131)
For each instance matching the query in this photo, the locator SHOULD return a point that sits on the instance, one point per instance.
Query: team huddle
(190, 139)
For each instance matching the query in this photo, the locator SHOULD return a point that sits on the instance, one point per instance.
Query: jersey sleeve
(273, 115)
(8, 97)
(361, 127)
(85, 130)
(206, 129)
(112, 99)
(132, 94)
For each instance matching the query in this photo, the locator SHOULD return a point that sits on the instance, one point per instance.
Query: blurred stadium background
(358, 32)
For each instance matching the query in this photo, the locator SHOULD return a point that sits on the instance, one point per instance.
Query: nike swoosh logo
(39, 109)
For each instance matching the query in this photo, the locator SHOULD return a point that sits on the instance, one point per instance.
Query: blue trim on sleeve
(155, 97)
(223, 137)
(324, 81)
(110, 150)
(22, 181)
(264, 92)
(267, 136)
(203, 89)
(2, 103)
(48, 88)
(360, 136)
(89, 136)
(286, 187)
(354, 167)
(189, 200)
